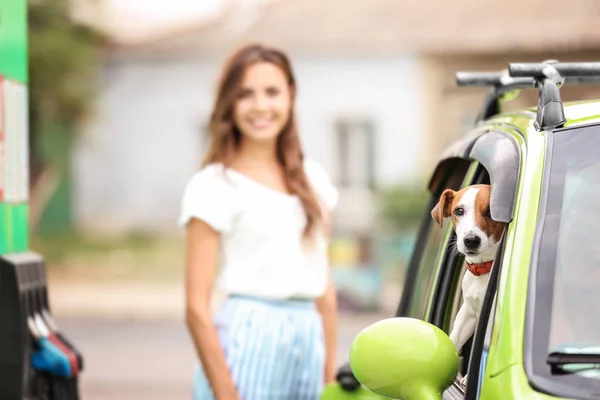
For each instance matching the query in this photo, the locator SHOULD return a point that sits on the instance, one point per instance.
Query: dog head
(477, 233)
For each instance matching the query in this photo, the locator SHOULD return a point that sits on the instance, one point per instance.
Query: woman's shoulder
(209, 197)
(210, 176)
(210, 171)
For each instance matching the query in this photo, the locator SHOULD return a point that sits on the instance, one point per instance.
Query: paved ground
(135, 344)
(153, 358)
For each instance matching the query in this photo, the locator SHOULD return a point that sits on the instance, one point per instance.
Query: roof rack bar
(537, 70)
(490, 79)
(478, 78)
(547, 77)
(500, 80)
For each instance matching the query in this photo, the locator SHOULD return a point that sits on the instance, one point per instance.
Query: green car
(538, 334)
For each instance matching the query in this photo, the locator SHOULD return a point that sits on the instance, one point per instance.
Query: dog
(477, 238)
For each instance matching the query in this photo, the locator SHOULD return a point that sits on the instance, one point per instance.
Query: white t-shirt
(262, 252)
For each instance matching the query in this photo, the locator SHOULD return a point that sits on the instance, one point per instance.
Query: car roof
(495, 139)
(582, 112)
(577, 113)
(498, 151)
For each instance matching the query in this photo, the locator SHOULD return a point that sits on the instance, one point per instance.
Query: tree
(63, 61)
(401, 208)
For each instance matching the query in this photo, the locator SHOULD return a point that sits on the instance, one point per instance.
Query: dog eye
(459, 212)
(488, 214)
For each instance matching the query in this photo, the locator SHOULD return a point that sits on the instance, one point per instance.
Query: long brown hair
(225, 136)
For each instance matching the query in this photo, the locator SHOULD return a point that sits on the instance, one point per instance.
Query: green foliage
(401, 208)
(135, 257)
(60, 246)
(63, 57)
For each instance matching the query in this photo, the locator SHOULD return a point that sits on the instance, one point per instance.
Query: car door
(452, 171)
(495, 157)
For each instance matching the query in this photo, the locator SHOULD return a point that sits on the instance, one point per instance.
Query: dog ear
(442, 208)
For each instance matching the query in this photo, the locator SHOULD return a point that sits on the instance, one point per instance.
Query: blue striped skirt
(275, 349)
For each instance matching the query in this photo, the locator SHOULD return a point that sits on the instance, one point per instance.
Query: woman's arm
(202, 251)
(327, 307)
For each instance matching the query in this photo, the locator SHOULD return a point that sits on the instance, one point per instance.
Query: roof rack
(547, 77)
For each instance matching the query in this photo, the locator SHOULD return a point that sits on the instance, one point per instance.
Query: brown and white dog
(477, 237)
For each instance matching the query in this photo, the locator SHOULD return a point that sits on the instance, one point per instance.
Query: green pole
(14, 131)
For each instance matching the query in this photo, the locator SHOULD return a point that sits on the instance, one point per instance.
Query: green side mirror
(404, 358)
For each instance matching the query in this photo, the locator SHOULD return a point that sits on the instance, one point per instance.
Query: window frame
(474, 147)
(539, 298)
(453, 177)
(447, 285)
(448, 279)
(343, 127)
(488, 166)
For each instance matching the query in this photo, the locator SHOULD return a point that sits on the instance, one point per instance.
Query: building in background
(377, 101)
(356, 110)
(376, 104)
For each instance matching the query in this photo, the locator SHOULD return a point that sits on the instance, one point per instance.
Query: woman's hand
(330, 373)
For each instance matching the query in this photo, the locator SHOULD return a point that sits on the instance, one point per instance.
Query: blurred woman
(260, 211)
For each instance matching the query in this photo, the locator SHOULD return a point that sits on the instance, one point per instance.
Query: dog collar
(481, 268)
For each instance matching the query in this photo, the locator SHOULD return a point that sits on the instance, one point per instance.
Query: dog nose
(472, 242)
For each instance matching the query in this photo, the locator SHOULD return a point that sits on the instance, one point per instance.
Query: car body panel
(502, 375)
(506, 349)
(510, 384)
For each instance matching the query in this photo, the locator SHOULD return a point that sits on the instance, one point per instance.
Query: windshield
(570, 245)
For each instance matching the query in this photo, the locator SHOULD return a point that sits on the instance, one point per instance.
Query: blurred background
(120, 96)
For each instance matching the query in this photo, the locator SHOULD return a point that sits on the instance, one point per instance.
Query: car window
(455, 301)
(450, 283)
(425, 272)
(420, 276)
(575, 182)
